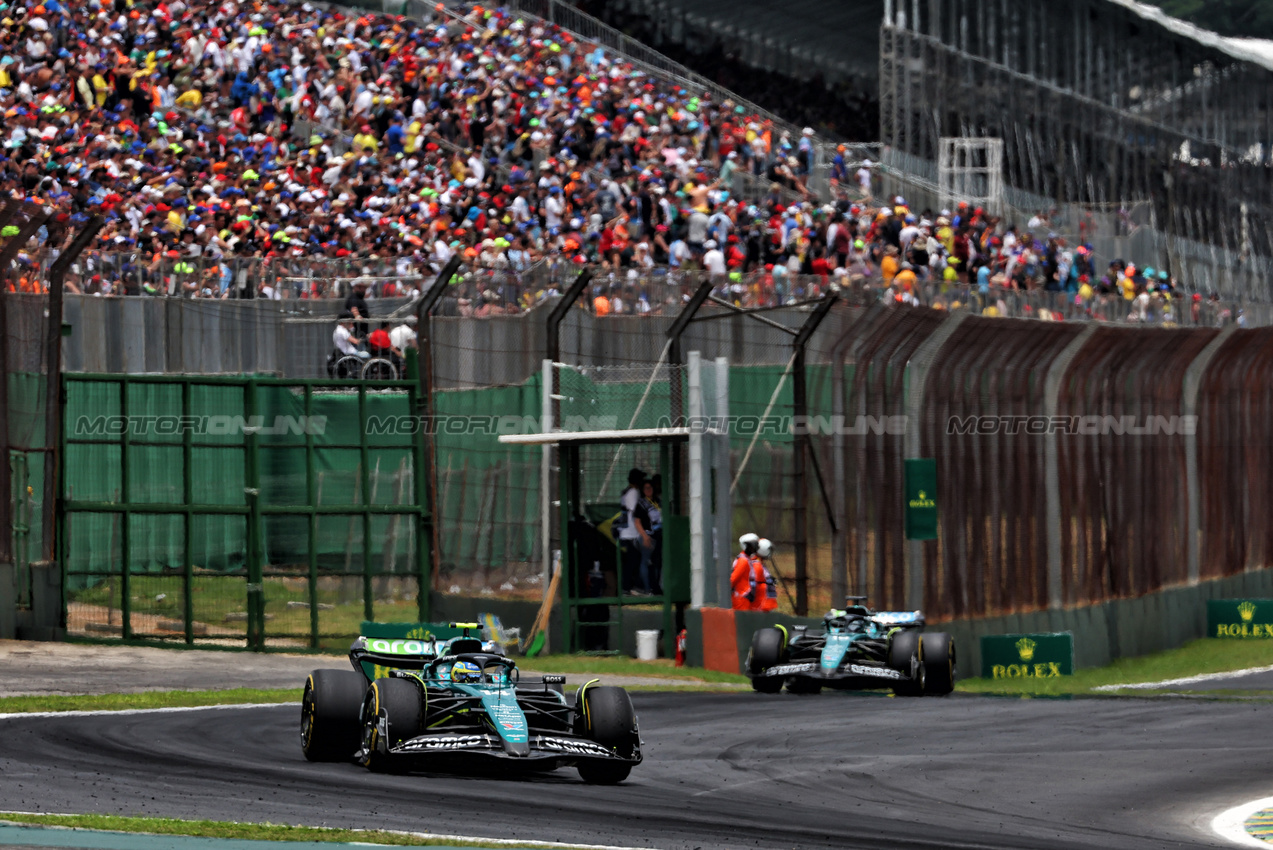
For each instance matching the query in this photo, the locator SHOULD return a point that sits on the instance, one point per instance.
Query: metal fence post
(427, 531)
(800, 416)
(917, 376)
(723, 531)
(1051, 471)
(53, 392)
(545, 480)
(252, 489)
(697, 510)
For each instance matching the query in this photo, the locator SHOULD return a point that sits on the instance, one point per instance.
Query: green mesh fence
(244, 511)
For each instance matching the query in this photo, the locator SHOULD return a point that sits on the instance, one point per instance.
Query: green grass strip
(1206, 655)
(244, 831)
(146, 699)
(617, 665)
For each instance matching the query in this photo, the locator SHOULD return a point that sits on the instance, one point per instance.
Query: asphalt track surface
(721, 770)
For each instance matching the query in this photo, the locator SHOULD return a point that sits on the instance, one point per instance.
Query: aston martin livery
(446, 704)
(857, 649)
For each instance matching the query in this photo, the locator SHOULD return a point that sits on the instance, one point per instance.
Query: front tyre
(767, 684)
(399, 701)
(768, 649)
(331, 714)
(603, 773)
(609, 720)
(937, 657)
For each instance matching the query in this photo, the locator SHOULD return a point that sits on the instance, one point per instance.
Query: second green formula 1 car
(857, 649)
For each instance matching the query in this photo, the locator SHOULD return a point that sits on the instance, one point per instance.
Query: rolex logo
(1247, 611)
(1025, 647)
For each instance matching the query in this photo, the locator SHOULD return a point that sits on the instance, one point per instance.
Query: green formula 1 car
(857, 649)
(449, 704)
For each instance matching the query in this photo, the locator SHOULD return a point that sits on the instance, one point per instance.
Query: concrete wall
(43, 620)
(8, 602)
(1102, 633)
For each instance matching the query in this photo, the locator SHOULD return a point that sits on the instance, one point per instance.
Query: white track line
(436, 836)
(1188, 680)
(19, 715)
(1231, 824)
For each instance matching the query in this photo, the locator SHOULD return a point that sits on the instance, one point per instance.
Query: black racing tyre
(331, 709)
(937, 657)
(767, 684)
(609, 720)
(902, 655)
(603, 773)
(912, 688)
(768, 647)
(403, 706)
(799, 685)
(905, 644)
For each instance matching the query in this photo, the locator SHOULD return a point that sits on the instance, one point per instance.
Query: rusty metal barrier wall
(992, 496)
(1075, 463)
(1124, 509)
(1235, 410)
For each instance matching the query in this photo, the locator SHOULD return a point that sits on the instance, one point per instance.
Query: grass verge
(1206, 655)
(614, 665)
(577, 667)
(243, 831)
(147, 699)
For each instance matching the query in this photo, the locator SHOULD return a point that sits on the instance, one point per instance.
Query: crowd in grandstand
(502, 139)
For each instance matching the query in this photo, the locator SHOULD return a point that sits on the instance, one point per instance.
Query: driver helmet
(466, 671)
(764, 548)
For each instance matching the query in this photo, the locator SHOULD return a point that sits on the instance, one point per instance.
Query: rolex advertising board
(921, 499)
(1037, 656)
(1240, 618)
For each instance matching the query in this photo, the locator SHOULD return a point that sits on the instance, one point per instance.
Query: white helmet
(748, 539)
(764, 548)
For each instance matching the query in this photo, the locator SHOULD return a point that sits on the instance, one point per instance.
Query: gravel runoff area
(28, 668)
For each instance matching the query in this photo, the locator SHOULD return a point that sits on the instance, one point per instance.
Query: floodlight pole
(800, 414)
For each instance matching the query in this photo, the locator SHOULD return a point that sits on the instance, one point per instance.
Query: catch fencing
(240, 511)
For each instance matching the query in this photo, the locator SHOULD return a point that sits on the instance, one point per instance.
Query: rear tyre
(905, 644)
(331, 714)
(401, 703)
(803, 687)
(937, 657)
(903, 656)
(914, 687)
(609, 720)
(768, 648)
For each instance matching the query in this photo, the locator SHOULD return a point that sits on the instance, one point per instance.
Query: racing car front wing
(545, 750)
(848, 675)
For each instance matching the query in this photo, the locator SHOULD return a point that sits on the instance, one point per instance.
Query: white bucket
(647, 644)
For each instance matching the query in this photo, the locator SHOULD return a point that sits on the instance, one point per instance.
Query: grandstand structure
(1107, 106)
(1138, 133)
